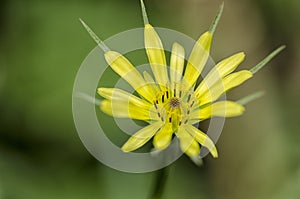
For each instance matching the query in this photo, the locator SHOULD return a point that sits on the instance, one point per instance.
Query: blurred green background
(42, 45)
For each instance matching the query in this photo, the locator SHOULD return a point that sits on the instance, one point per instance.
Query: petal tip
(100, 90)
(243, 109)
(242, 54)
(126, 148)
(214, 152)
(215, 155)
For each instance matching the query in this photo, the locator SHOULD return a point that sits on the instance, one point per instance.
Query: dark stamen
(167, 93)
(189, 98)
(163, 98)
(170, 119)
(192, 103)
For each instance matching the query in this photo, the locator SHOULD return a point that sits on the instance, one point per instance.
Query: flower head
(170, 102)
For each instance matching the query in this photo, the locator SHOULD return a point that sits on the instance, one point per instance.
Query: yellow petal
(227, 83)
(126, 70)
(197, 59)
(219, 109)
(150, 81)
(123, 109)
(141, 137)
(116, 94)
(156, 55)
(176, 63)
(222, 69)
(187, 143)
(163, 138)
(202, 138)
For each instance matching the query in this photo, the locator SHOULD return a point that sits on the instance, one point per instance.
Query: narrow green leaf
(217, 19)
(145, 18)
(250, 98)
(88, 98)
(94, 36)
(260, 65)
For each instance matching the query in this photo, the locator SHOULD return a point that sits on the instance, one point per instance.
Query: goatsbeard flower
(172, 104)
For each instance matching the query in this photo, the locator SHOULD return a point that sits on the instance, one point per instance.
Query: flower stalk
(159, 183)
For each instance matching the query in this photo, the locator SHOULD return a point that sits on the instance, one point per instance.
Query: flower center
(174, 103)
(174, 106)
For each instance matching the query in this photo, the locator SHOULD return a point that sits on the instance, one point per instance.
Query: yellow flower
(172, 105)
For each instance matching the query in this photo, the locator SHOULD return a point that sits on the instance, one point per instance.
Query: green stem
(159, 183)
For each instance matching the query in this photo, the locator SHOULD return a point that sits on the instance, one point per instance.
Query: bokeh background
(42, 45)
